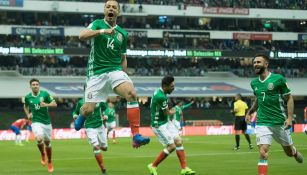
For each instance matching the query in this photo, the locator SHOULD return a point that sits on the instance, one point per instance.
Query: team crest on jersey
(119, 37)
(270, 86)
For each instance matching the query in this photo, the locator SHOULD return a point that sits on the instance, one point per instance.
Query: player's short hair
(267, 58)
(115, 1)
(240, 96)
(34, 80)
(167, 80)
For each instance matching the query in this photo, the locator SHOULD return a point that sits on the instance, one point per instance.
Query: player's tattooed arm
(290, 108)
(124, 62)
(251, 110)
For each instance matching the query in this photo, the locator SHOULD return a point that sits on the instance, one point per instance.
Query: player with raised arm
(38, 102)
(271, 91)
(177, 119)
(95, 131)
(106, 69)
(161, 127)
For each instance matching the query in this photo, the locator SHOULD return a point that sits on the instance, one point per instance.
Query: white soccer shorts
(97, 136)
(174, 127)
(43, 131)
(98, 87)
(111, 125)
(165, 134)
(265, 135)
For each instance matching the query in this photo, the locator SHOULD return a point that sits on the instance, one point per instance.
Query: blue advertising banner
(302, 37)
(11, 3)
(59, 31)
(147, 89)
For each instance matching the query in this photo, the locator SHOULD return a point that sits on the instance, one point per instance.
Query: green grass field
(207, 155)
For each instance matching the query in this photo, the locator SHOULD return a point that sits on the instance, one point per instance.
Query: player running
(271, 91)
(95, 132)
(161, 127)
(38, 102)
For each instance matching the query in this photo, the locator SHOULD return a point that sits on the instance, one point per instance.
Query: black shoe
(305, 131)
(104, 172)
(251, 146)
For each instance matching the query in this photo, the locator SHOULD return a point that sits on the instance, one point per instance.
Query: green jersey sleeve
(93, 26)
(284, 89)
(49, 98)
(77, 108)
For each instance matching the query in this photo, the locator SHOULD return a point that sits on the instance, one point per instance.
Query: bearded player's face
(260, 65)
(111, 10)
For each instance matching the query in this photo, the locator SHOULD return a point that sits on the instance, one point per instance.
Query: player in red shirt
(16, 127)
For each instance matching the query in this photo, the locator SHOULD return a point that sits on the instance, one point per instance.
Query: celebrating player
(95, 132)
(161, 127)
(177, 118)
(106, 69)
(38, 102)
(271, 91)
(239, 110)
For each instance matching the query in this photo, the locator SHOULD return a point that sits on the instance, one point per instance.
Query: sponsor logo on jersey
(270, 86)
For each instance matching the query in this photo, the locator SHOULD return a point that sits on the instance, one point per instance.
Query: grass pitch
(207, 155)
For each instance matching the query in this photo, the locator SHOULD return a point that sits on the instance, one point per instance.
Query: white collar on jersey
(109, 24)
(265, 78)
(37, 94)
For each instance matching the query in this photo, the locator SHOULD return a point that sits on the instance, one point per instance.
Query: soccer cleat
(251, 146)
(236, 148)
(152, 169)
(104, 172)
(138, 140)
(305, 131)
(43, 160)
(79, 122)
(50, 168)
(298, 157)
(187, 171)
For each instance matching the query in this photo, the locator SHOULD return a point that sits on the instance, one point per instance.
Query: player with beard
(271, 91)
(106, 69)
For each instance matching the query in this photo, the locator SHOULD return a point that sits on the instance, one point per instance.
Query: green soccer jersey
(39, 114)
(110, 112)
(94, 120)
(177, 115)
(159, 102)
(106, 50)
(269, 93)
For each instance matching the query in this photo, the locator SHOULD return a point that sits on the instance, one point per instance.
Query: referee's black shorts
(240, 123)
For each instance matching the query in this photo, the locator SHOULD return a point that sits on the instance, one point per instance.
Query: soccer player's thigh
(118, 77)
(97, 88)
(163, 135)
(263, 135)
(37, 129)
(282, 136)
(102, 137)
(92, 136)
(173, 130)
(47, 132)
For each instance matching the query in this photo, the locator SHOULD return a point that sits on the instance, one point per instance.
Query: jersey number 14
(110, 43)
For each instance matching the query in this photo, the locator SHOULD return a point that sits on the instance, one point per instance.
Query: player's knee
(131, 95)
(264, 154)
(171, 147)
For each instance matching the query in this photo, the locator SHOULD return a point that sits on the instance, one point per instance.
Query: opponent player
(106, 69)
(109, 113)
(95, 132)
(16, 126)
(161, 127)
(38, 102)
(271, 91)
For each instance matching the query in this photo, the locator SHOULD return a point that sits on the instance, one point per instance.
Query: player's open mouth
(110, 14)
